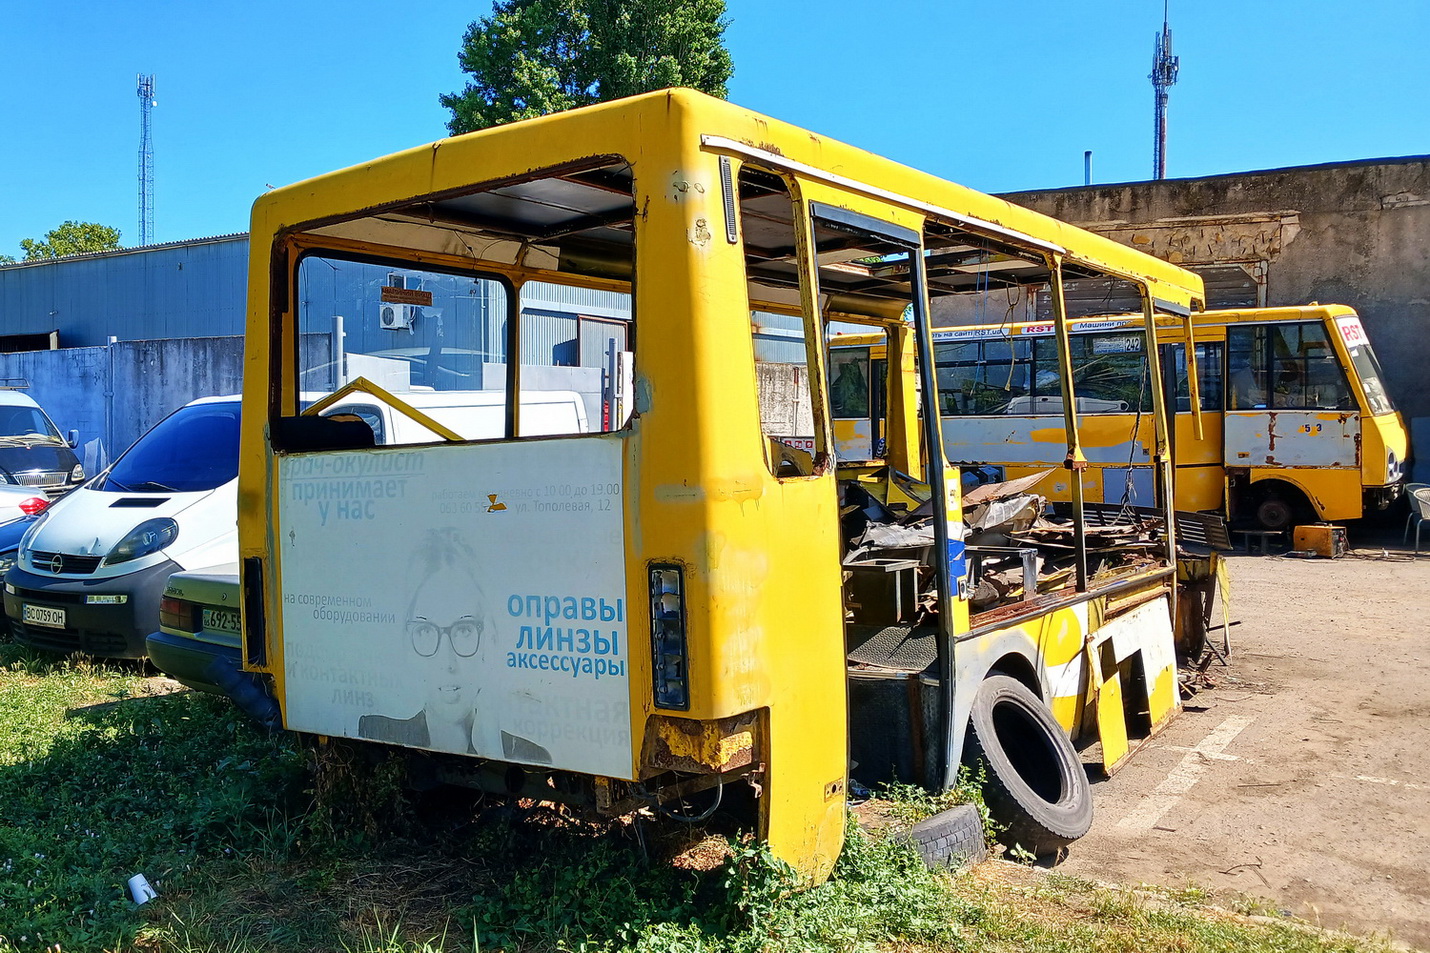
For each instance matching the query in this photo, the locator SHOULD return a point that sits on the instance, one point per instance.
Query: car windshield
(194, 448)
(27, 426)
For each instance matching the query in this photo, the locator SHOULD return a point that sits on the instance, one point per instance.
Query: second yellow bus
(1295, 424)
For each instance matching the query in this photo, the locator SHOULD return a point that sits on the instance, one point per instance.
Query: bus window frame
(293, 243)
(812, 322)
(357, 257)
(1167, 353)
(1040, 363)
(1275, 366)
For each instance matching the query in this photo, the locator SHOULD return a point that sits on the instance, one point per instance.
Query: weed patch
(907, 804)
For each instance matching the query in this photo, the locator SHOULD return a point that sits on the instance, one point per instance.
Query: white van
(474, 414)
(91, 572)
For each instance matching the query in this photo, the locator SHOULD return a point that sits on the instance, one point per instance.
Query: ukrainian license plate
(43, 615)
(221, 620)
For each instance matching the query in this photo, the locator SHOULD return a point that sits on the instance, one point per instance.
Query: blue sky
(997, 96)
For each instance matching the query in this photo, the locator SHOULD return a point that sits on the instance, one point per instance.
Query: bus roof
(668, 131)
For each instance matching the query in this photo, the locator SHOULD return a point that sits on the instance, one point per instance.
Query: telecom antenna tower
(1164, 74)
(146, 160)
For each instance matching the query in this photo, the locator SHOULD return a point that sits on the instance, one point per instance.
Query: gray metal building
(178, 290)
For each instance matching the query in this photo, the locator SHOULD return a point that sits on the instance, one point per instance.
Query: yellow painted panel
(1065, 710)
(1335, 494)
(1385, 445)
(1199, 488)
(1111, 722)
(1164, 699)
(1187, 449)
(1061, 637)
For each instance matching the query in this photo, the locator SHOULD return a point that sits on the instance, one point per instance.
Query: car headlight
(77, 473)
(4, 478)
(7, 561)
(148, 537)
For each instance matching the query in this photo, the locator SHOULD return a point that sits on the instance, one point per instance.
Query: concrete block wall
(1353, 233)
(113, 393)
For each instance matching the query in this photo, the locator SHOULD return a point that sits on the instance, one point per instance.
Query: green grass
(100, 781)
(223, 819)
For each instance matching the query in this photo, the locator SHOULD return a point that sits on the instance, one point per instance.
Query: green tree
(533, 57)
(71, 238)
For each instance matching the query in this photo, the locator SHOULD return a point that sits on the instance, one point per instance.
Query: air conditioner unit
(396, 317)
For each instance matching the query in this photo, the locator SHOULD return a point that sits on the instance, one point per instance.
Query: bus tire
(951, 838)
(1034, 784)
(1274, 512)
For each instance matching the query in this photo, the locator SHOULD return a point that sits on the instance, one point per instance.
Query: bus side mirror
(72, 438)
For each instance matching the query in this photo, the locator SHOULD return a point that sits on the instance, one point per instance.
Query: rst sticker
(1351, 331)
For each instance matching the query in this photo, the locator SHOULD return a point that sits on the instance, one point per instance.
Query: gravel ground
(1303, 776)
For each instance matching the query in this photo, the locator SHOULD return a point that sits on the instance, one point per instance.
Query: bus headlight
(669, 657)
(148, 537)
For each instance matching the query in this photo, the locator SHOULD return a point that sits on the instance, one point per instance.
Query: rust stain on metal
(1356, 440)
(685, 744)
(1270, 435)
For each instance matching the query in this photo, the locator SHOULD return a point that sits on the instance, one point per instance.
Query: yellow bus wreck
(602, 569)
(1291, 422)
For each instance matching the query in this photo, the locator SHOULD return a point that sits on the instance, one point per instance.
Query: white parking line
(1184, 776)
(1393, 782)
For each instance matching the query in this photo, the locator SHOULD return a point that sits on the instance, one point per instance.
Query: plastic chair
(1420, 511)
(1410, 491)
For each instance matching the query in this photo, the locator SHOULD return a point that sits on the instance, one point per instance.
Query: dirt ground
(1303, 776)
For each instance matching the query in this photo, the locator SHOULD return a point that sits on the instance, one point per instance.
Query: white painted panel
(451, 598)
(1292, 438)
(1147, 628)
(853, 439)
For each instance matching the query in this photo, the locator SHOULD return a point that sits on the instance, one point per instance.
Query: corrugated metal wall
(188, 289)
(541, 295)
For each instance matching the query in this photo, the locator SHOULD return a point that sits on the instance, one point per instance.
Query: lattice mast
(146, 160)
(1164, 74)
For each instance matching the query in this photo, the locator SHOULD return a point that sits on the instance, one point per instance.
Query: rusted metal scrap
(998, 491)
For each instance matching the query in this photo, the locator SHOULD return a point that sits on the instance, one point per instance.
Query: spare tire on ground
(951, 838)
(1034, 784)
